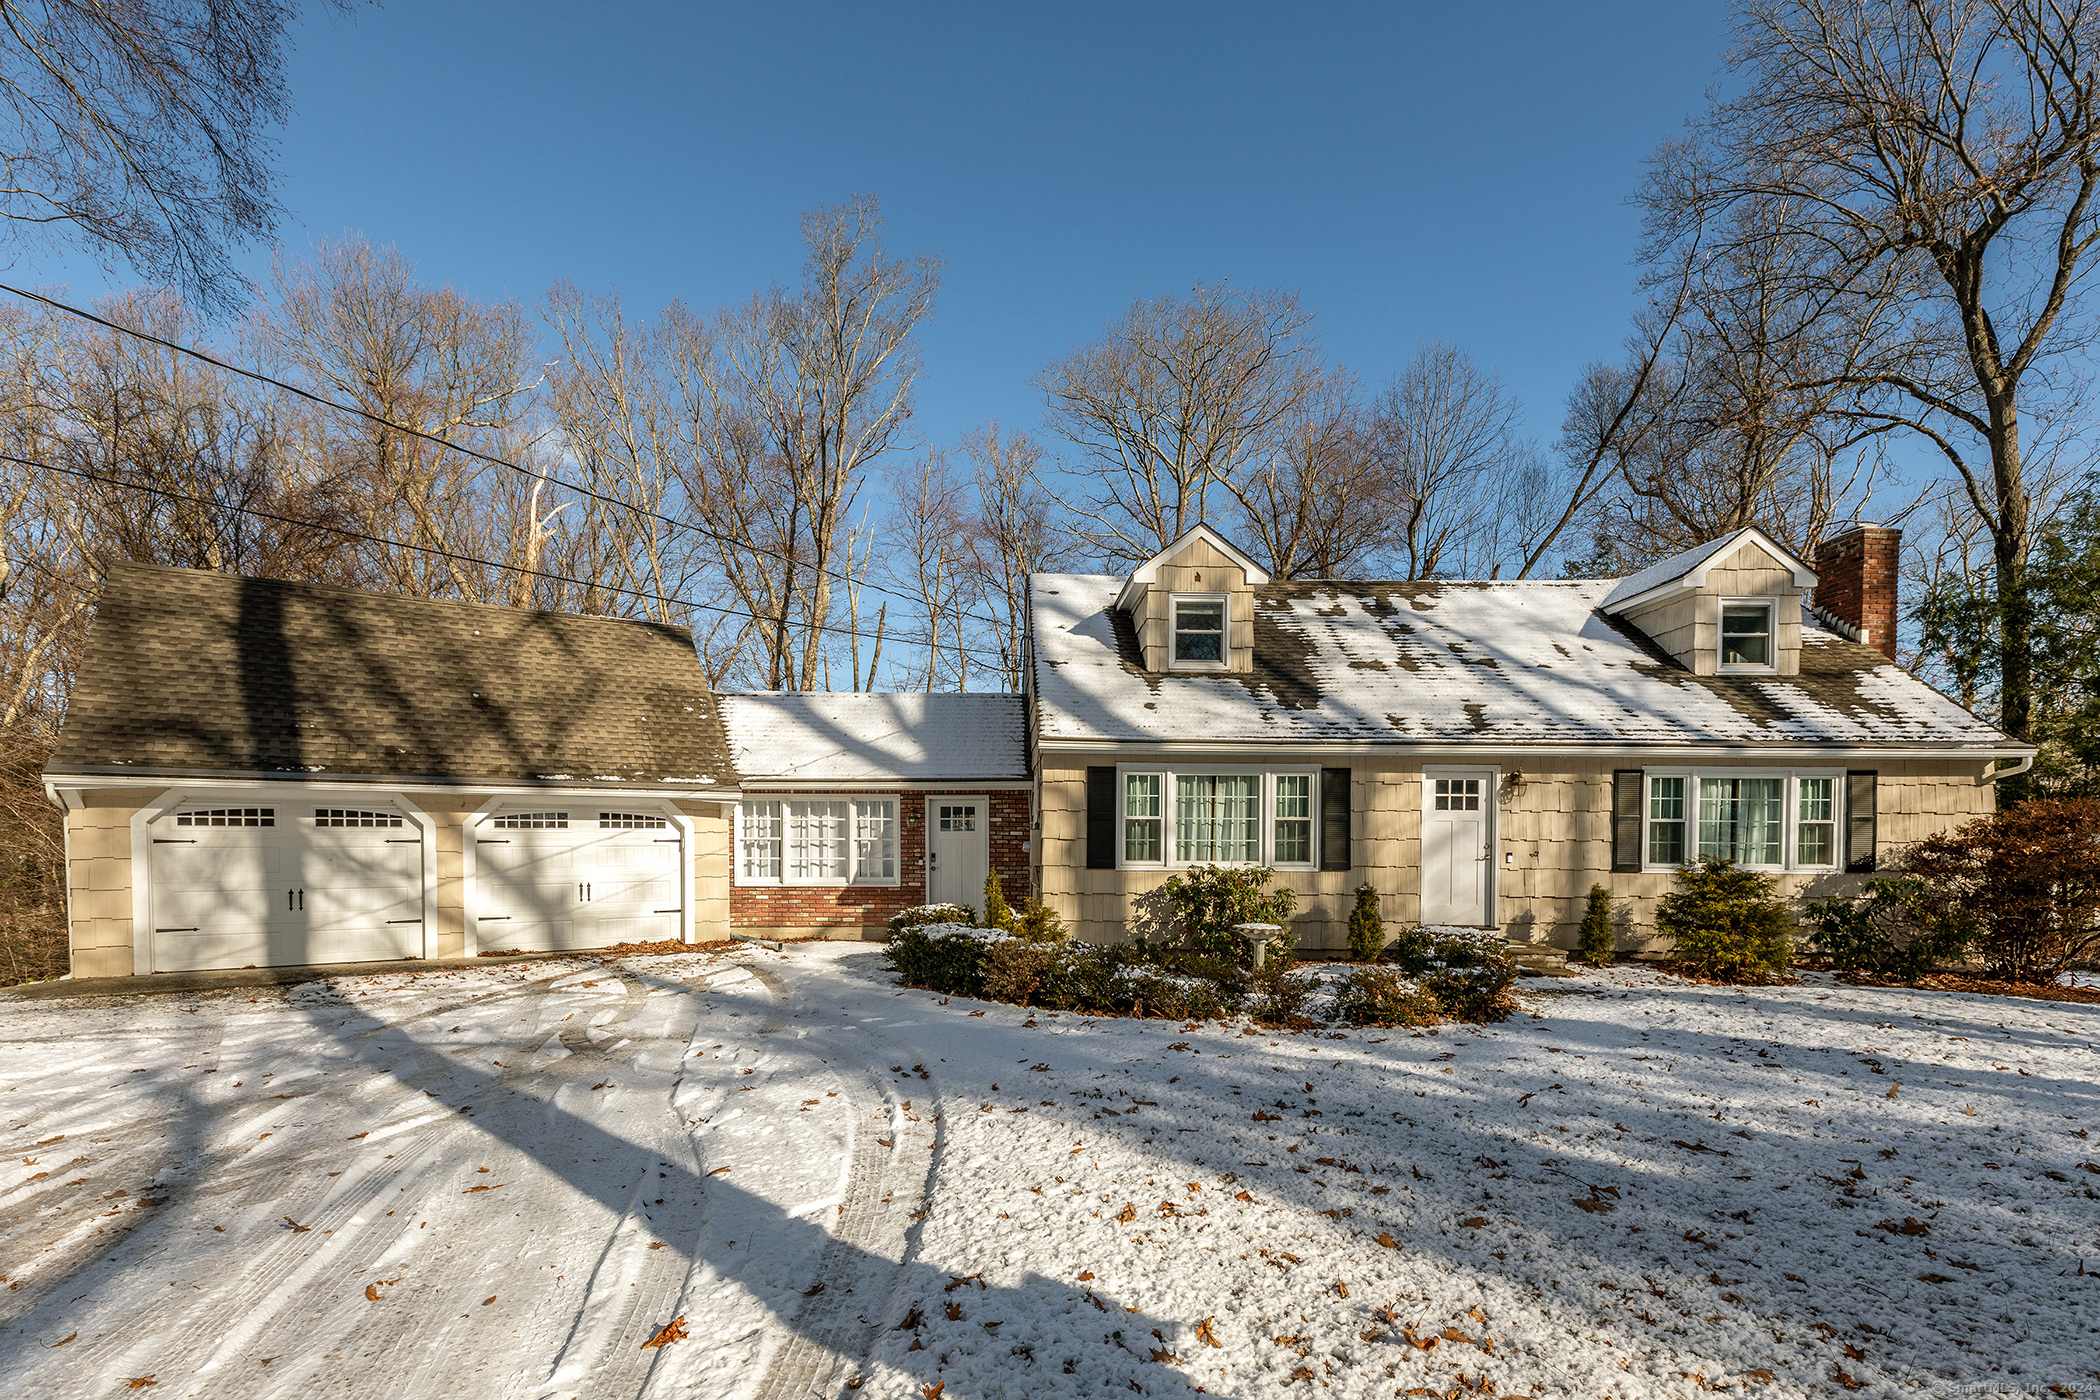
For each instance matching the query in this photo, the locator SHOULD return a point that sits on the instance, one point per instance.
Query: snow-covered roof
(825, 737)
(1690, 565)
(1495, 664)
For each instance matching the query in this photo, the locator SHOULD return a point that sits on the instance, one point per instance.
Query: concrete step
(1539, 960)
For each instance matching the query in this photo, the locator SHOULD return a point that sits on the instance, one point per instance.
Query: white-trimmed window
(1747, 639)
(1173, 818)
(1763, 818)
(817, 841)
(632, 821)
(228, 816)
(532, 821)
(1201, 630)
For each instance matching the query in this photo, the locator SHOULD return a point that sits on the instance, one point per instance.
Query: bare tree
(1951, 147)
(145, 128)
(1178, 396)
(786, 401)
(1018, 529)
(1445, 434)
(931, 559)
(1317, 504)
(424, 364)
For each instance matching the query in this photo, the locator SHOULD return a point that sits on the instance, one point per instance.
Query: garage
(559, 878)
(259, 884)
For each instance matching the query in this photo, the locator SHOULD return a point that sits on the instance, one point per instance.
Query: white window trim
(852, 881)
(1789, 814)
(1268, 773)
(1224, 662)
(1744, 668)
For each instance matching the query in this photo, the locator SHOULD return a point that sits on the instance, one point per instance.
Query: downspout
(1995, 774)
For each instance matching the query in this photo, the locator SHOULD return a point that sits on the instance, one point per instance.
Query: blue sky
(1415, 171)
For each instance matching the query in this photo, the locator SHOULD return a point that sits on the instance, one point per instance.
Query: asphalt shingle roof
(1487, 663)
(188, 672)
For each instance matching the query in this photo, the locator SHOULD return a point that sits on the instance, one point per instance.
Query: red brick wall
(1856, 574)
(780, 906)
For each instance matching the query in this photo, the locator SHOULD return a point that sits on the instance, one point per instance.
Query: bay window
(817, 841)
(1217, 817)
(1759, 818)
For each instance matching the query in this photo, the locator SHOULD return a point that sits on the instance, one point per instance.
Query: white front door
(958, 850)
(561, 878)
(1458, 808)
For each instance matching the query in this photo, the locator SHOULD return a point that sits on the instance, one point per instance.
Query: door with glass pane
(1458, 808)
(958, 849)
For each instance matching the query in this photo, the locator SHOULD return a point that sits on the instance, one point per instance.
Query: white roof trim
(1687, 570)
(1147, 573)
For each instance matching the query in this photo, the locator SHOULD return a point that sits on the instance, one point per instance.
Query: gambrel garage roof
(1501, 664)
(192, 673)
(813, 738)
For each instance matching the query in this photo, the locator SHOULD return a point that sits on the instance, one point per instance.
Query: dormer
(1731, 606)
(1192, 605)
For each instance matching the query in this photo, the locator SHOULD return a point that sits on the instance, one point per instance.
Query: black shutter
(1101, 818)
(1334, 819)
(1860, 825)
(1626, 819)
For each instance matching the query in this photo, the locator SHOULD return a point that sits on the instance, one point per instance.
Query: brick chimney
(1857, 573)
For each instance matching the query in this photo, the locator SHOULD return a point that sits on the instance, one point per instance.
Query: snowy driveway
(503, 1181)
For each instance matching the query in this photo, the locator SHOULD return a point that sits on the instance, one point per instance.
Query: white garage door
(577, 879)
(282, 885)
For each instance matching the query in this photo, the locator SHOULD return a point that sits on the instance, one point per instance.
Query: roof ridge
(345, 590)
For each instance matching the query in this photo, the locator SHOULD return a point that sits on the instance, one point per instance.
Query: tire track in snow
(832, 1333)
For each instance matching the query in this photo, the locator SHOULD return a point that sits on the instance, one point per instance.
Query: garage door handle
(174, 840)
(404, 921)
(667, 911)
(487, 919)
(175, 930)
(290, 896)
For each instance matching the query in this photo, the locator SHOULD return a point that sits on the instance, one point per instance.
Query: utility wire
(431, 549)
(325, 402)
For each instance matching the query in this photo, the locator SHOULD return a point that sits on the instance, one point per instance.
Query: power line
(441, 553)
(325, 402)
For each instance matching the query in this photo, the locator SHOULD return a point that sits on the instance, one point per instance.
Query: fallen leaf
(63, 1340)
(140, 1382)
(1593, 1206)
(1853, 1353)
(1934, 1278)
(1243, 1196)
(719, 1170)
(297, 1228)
(371, 1292)
(1844, 1377)
(813, 1290)
(672, 1331)
(1388, 1241)
(1891, 1094)
(1762, 1373)
(1203, 1334)
(933, 1390)
(1127, 1214)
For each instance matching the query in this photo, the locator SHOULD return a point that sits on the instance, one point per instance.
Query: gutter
(1475, 750)
(58, 781)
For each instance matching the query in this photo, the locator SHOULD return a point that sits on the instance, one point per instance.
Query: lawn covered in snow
(505, 1181)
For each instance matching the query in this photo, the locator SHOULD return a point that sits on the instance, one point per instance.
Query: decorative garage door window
(344, 816)
(533, 821)
(631, 821)
(229, 816)
(818, 841)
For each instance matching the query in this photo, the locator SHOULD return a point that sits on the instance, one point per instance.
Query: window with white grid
(631, 821)
(345, 816)
(817, 841)
(228, 816)
(532, 821)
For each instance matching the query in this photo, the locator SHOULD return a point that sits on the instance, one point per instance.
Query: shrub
(1378, 996)
(943, 956)
(1366, 929)
(1599, 940)
(997, 913)
(2026, 880)
(1468, 971)
(1039, 923)
(1281, 994)
(1408, 950)
(1728, 922)
(1210, 899)
(1102, 980)
(1892, 930)
(919, 915)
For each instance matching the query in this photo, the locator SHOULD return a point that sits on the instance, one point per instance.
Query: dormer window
(1746, 636)
(1199, 630)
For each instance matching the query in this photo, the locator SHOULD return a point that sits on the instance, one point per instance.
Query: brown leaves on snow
(1205, 1336)
(672, 1331)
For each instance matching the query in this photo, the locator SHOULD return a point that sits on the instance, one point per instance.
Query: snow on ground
(503, 1181)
